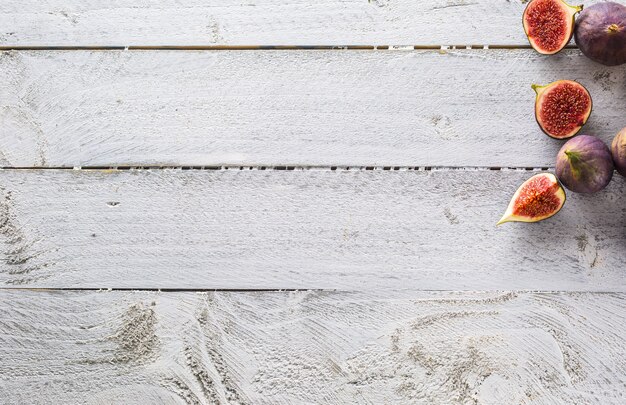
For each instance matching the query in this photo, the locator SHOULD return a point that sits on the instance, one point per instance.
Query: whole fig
(618, 150)
(584, 164)
(600, 33)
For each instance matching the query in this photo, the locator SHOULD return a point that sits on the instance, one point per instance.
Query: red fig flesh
(562, 108)
(600, 33)
(618, 150)
(538, 198)
(549, 24)
(584, 164)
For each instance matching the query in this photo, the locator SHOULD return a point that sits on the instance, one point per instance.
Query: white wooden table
(197, 208)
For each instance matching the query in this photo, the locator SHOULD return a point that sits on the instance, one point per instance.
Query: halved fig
(538, 198)
(549, 24)
(562, 108)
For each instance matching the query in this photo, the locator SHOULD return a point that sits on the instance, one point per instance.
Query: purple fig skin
(584, 164)
(600, 33)
(618, 150)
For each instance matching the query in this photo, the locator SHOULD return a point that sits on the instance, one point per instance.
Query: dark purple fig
(584, 164)
(538, 198)
(549, 24)
(600, 33)
(618, 150)
(562, 108)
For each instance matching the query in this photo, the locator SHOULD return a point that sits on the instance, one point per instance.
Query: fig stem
(577, 9)
(537, 87)
(502, 220)
(574, 157)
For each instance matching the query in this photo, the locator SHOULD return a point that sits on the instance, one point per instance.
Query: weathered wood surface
(267, 22)
(352, 230)
(418, 108)
(312, 347)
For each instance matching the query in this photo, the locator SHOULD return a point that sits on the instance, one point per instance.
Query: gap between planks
(263, 47)
(172, 290)
(278, 290)
(282, 168)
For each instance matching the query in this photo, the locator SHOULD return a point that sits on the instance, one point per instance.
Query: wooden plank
(352, 230)
(267, 22)
(312, 347)
(419, 108)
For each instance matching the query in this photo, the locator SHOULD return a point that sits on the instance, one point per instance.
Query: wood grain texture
(419, 108)
(312, 347)
(351, 230)
(268, 22)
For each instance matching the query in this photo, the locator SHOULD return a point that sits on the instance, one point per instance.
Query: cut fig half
(538, 198)
(562, 108)
(549, 24)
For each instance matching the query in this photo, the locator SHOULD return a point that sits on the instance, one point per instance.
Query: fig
(618, 150)
(538, 198)
(600, 33)
(549, 24)
(562, 108)
(584, 164)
